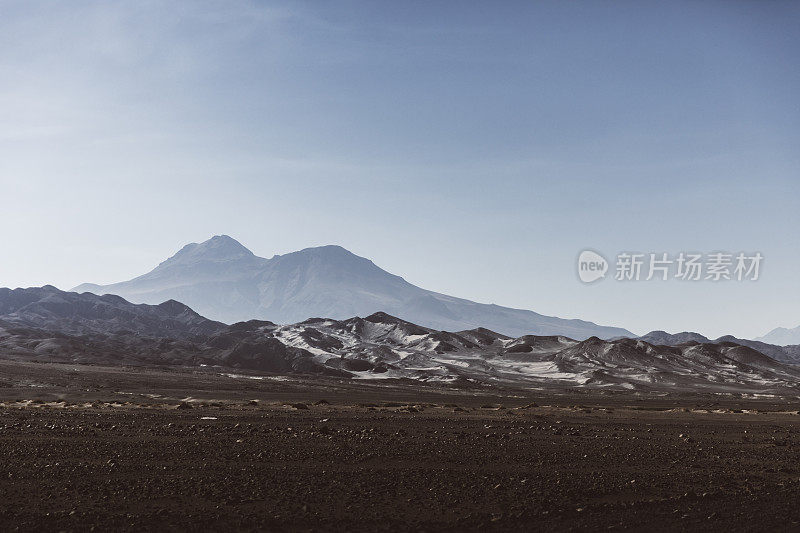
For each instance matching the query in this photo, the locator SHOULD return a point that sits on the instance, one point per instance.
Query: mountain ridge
(781, 336)
(786, 354)
(48, 325)
(223, 280)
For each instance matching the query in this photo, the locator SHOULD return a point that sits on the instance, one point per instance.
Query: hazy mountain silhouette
(782, 336)
(223, 280)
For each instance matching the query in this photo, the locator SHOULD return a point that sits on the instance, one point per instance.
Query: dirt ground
(152, 450)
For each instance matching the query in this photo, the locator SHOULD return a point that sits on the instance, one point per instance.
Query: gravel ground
(449, 461)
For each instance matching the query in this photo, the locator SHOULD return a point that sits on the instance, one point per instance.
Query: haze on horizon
(473, 151)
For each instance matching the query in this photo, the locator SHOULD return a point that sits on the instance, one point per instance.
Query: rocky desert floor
(130, 449)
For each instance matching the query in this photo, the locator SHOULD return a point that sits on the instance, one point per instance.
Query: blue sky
(475, 149)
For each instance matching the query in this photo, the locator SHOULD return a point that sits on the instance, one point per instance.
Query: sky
(473, 148)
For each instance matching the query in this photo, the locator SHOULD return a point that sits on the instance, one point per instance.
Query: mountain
(782, 336)
(45, 324)
(669, 339)
(223, 280)
(783, 354)
(86, 314)
(218, 278)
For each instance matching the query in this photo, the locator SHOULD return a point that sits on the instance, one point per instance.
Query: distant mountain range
(223, 280)
(45, 324)
(782, 336)
(87, 314)
(48, 325)
(786, 354)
